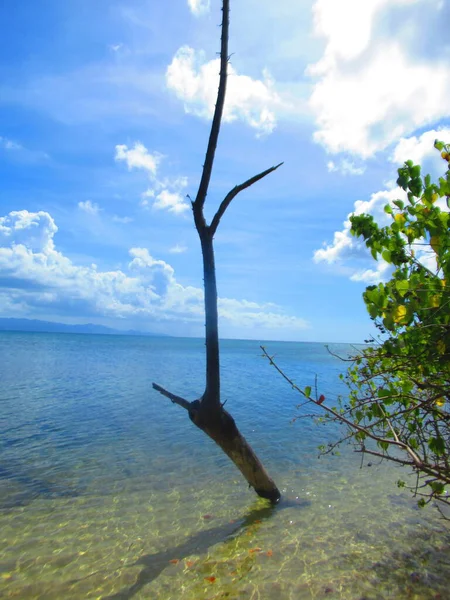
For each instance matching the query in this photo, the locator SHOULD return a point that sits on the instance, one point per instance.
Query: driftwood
(207, 412)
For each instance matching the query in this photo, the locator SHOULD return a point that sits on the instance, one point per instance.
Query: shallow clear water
(108, 491)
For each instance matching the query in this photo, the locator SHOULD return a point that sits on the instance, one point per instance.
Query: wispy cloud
(178, 249)
(345, 166)
(7, 144)
(91, 208)
(123, 220)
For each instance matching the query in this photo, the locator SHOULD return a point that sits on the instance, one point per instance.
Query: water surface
(108, 491)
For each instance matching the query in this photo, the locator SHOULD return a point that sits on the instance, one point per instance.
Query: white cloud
(178, 249)
(421, 148)
(377, 80)
(195, 82)
(351, 252)
(123, 220)
(172, 201)
(89, 207)
(145, 202)
(165, 193)
(40, 280)
(138, 157)
(33, 230)
(7, 144)
(199, 7)
(345, 167)
(115, 47)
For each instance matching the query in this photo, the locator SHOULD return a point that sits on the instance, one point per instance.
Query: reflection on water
(108, 491)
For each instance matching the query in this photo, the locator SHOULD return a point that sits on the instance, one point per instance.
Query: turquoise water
(108, 491)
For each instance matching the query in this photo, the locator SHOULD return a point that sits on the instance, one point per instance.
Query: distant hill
(34, 325)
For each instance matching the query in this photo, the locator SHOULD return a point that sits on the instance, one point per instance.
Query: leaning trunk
(208, 414)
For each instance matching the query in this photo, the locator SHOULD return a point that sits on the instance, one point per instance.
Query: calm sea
(108, 491)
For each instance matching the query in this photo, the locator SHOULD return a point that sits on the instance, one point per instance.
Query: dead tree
(207, 412)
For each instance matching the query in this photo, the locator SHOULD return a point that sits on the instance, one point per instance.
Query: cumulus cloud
(33, 230)
(351, 252)
(172, 201)
(164, 194)
(40, 280)
(377, 79)
(198, 7)
(420, 149)
(195, 82)
(138, 157)
(91, 208)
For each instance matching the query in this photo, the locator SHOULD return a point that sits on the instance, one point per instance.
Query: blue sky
(104, 119)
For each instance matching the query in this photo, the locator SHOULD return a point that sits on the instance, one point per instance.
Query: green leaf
(437, 445)
(402, 286)
(307, 391)
(437, 487)
(415, 171)
(439, 145)
(403, 375)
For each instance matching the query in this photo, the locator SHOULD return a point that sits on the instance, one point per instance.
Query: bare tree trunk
(208, 412)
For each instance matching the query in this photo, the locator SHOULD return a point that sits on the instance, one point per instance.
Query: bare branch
(234, 192)
(339, 417)
(215, 126)
(175, 399)
(400, 461)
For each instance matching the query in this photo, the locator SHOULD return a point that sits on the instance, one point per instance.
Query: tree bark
(211, 396)
(207, 412)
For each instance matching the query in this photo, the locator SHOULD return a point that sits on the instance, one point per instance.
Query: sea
(108, 491)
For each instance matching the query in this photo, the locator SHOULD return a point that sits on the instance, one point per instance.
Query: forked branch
(234, 192)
